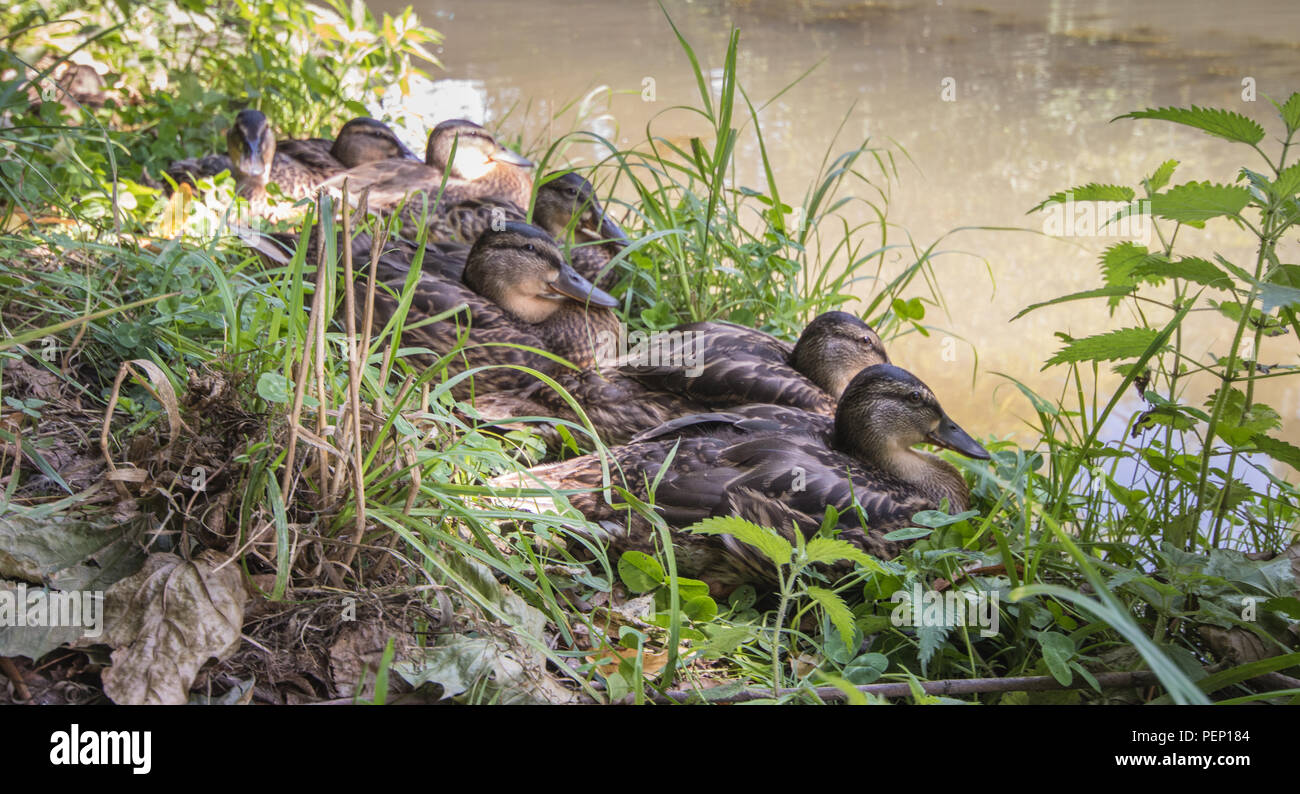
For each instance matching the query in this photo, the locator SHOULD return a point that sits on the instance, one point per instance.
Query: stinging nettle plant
(1191, 448)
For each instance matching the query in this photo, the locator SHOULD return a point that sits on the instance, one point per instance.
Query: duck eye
(914, 398)
(530, 248)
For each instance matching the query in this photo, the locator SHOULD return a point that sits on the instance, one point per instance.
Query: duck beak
(504, 155)
(572, 285)
(950, 436)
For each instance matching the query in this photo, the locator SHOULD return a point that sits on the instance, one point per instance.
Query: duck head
(835, 347)
(364, 140)
(887, 410)
(567, 201)
(251, 146)
(521, 269)
(477, 152)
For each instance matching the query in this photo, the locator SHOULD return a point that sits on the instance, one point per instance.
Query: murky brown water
(1036, 85)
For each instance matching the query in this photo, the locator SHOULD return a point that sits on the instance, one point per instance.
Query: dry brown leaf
(166, 621)
(1236, 645)
(356, 654)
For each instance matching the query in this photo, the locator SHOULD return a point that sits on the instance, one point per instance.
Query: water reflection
(1035, 86)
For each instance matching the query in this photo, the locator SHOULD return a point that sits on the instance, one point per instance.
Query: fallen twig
(952, 686)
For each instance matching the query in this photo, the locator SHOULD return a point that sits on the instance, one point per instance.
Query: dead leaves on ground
(166, 621)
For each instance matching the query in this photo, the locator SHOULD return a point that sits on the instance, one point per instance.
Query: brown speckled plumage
(297, 167)
(709, 366)
(463, 163)
(781, 467)
(511, 293)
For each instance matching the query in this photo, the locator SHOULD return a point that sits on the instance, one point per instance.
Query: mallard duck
(719, 364)
(256, 159)
(517, 289)
(561, 204)
(566, 206)
(480, 168)
(706, 366)
(781, 470)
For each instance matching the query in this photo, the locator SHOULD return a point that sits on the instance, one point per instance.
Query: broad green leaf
(273, 387)
(1089, 192)
(866, 669)
(1110, 346)
(908, 533)
(776, 548)
(1220, 123)
(1058, 649)
(1197, 202)
(839, 613)
(700, 608)
(691, 588)
(937, 518)
(1175, 681)
(640, 572)
(724, 640)
(742, 597)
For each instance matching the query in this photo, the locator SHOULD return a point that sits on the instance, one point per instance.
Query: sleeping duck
(703, 367)
(516, 290)
(562, 204)
(779, 472)
(566, 206)
(256, 159)
(463, 162)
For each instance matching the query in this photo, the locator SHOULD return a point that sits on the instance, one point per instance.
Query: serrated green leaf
(1279, 450)
(776, 548)
(827, 550)
(1092, 191)
(1198, 202)
(839, 613)
(1224, 124)
(1290, 112)
(1120, 260)
(1161, 176)
(930, 638)
(1191, 268)
(1111, 346)
(640, 572)
(1287, 183)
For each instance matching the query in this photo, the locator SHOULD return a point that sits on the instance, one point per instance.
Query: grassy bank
(174, 403)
